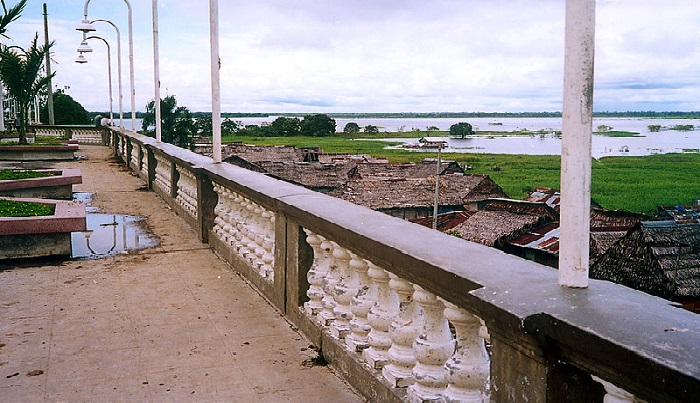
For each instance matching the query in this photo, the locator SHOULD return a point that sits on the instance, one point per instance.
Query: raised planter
(27, 237)
(58, 186)
(62, 152)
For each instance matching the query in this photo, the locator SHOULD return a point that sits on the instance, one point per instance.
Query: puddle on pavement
(109, 234)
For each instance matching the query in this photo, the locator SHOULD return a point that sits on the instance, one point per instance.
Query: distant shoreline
(452, 115)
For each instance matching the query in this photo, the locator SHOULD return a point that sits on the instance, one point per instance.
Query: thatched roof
(494, 228)
(660, 258)
(446, 221)
(421, 169)
(255, 154)
(454, 190)
(314, 176)
(614, 220)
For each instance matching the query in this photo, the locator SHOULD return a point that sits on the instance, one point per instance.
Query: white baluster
(468, 369)
(315, 275)
(433, 347)
(360, 304)
(403, 331)
(326, 316)
(380, 315)
(268, 257)
(342, 293)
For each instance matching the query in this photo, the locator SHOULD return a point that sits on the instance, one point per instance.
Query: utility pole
(48, 67)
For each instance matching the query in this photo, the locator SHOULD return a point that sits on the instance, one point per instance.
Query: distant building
(661, 258)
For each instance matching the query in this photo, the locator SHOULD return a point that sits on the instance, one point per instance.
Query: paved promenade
(169, 323)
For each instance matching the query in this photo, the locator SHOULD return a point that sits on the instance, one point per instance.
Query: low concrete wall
(25, 237)
(38, 153)
(58, 186)
(352, 278)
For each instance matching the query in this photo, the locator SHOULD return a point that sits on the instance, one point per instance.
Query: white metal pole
(156, 70)
(109, 72)
(119, 68)
(577, 123)
(2, 107)
(215, 79)
(437, 189)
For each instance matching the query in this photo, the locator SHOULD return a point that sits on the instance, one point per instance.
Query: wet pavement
(170, 322)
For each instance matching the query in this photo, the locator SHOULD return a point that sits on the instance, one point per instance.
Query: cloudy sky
(379, 56)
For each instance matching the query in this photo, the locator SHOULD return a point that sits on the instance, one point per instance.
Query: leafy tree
(177, 125)
(68, 111)
(351, 128)
(461, 129)
(432, 128)
(372, 129)
(20, 71)
(285, 127)
(654, 128)
(204, 126)
(318, 125)
(229, 127)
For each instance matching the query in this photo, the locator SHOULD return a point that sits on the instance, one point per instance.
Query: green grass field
(638, 184)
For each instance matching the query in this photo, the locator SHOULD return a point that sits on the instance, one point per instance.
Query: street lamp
(119, 66)
(85, 26)
(109, 69)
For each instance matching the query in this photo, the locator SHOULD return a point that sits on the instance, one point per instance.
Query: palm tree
(10, 15)
(177, 124)
(20, 71)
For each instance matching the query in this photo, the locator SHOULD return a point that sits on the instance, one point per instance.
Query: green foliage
(618, 133)
(683, 128)
(20, 72)
(204, 126)
(654, 128)
(285, 127)
(229, 127)
(461, 129)
(604, 128)
(11, 208)
(67, 111)
(351, 128)
(10, 174)
(318, 125)
(371, 129)
(177, 125)
(10, 15)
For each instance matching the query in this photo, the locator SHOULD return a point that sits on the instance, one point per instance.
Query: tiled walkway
(151, 325)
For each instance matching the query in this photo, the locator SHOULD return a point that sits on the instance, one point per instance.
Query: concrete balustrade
(81, 134)
(402, 311)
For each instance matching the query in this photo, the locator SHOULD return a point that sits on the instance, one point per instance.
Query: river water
(665, 141)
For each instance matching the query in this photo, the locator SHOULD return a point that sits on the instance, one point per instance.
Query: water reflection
(110, 234)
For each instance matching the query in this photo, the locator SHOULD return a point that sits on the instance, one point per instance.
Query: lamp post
(85, 26)
(119, 66)
(81, 59)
